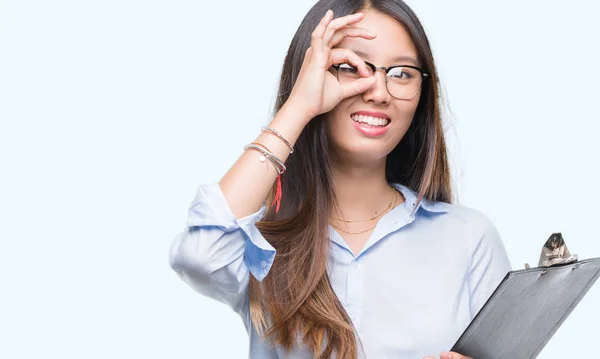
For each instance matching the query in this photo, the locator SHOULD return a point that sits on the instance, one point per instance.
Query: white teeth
(373, 121)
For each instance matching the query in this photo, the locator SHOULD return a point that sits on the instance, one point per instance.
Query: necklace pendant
(262, 158)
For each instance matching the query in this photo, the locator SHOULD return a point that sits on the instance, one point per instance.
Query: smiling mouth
(371, 121)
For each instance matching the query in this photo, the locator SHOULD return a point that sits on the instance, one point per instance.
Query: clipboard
(526, 309)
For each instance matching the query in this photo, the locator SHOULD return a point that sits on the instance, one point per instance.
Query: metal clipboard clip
(555, 253)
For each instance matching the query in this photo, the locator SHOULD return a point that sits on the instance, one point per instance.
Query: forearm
(248, 182)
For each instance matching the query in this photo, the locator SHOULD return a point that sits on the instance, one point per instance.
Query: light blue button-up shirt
(410, 292)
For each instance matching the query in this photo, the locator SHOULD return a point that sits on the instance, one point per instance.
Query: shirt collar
(411, 201)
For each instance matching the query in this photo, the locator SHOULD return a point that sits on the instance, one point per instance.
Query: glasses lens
(349, 73)
(403, 82)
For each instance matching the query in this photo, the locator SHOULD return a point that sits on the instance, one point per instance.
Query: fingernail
(329, 12)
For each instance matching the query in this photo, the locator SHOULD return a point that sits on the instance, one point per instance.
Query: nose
(378, 93)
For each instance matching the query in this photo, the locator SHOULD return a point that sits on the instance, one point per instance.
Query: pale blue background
(113, 112)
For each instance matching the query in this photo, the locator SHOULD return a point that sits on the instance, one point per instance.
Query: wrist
(295, 113)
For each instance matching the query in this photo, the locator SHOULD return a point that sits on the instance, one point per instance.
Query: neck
(360, 190)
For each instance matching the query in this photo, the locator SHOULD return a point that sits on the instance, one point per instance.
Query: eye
(347, 68)
(403, 74)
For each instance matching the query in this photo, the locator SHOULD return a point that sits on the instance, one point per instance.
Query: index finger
(340, 56)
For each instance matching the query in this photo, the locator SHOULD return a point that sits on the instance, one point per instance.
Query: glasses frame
(387, 70)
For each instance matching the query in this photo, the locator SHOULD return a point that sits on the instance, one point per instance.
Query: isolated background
(113, 112)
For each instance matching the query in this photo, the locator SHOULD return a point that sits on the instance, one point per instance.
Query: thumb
(358, 86)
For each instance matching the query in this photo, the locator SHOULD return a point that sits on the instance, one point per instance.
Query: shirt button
(263, 264)
(355, 264)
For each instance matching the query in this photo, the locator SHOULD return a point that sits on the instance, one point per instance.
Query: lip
(370, 131)
(372, 114)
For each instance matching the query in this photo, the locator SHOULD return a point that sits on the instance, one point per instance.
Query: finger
(338, 36)
(339, 23)
(317, 35)
(357, 87)
(341, 56)
(453, 355)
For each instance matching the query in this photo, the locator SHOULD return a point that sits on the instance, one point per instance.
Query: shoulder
(471, 233)
(456, 220)
(460, 213)
(471, 228)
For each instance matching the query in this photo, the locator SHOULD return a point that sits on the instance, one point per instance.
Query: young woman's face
(352, 138)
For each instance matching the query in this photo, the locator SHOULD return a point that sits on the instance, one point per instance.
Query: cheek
(410, 107)
(336, 130)
(336, 119)
(405, 112)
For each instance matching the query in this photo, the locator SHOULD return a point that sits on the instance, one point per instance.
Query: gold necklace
(361, 232)
(369, 229)
(372, 218)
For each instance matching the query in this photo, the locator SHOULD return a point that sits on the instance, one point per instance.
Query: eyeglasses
(402, 81)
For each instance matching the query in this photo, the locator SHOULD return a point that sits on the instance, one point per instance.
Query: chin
(361, 150)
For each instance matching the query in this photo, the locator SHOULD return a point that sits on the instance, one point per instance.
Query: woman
(354, 250)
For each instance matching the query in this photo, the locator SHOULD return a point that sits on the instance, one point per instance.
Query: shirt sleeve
(215, 253)
(489, 265)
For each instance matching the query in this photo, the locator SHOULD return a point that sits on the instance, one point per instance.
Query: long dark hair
(295, 302)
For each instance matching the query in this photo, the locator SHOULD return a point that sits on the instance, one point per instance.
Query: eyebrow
(396, 59)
